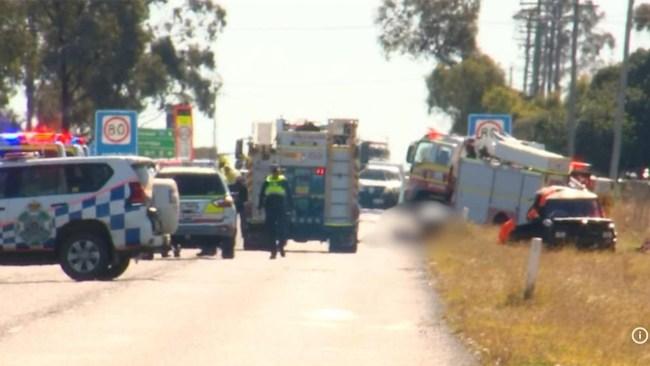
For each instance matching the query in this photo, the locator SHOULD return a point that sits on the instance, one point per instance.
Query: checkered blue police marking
(109, 207)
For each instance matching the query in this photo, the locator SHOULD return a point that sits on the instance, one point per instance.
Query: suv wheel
(115, 269)
(228, 248)
(84, 256)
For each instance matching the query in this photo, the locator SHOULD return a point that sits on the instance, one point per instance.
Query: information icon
(640, 335)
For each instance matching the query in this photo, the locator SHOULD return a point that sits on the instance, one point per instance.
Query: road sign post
(480, 125)
(115, 132)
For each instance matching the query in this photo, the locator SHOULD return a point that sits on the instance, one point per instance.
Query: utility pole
(620, 100)
(529, 31)
(537, 55)
(571, 116)
(558, 45)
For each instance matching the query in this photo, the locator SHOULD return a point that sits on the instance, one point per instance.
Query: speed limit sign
(115, 132)
(486, 125)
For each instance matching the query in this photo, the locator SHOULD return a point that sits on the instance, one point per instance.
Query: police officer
(275, 198)
(228, 171)
(240, 192)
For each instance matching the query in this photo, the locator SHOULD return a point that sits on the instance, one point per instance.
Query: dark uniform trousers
(275, 210)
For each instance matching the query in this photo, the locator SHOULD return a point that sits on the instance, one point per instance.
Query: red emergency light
(320, 171)
(40, 136)
(434, 134)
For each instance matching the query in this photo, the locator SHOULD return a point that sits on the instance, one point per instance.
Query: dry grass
(632, 223)
(585, 304)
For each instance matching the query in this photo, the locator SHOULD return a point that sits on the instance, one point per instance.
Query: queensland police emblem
(34, 225)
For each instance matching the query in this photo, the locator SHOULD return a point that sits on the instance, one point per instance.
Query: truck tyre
(84, 256)
(344, 243)
(228, 248)
(115, 269)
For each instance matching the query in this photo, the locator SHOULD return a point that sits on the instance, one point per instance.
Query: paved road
(311, 308)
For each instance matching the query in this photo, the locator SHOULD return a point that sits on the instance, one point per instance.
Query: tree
(444, 30)
(642, 17)
(597, 106)
(555, 34)
(459, 89)
(95, 54)
(12, 46)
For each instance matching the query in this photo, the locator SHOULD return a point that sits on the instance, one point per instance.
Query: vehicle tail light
(138, 195)
(225, 202)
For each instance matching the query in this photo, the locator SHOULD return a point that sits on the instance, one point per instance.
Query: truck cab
(433, 159)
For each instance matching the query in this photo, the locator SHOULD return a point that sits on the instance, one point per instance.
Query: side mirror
(410, 154)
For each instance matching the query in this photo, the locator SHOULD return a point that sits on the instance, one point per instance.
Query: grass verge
(584, 309)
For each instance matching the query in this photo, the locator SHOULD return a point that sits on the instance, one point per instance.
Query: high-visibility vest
(274, 185)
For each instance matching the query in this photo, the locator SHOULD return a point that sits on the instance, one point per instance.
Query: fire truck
(321, 166)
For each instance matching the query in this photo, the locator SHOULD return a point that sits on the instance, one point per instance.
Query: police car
(90, 214)
(208, 216)
(44, 143)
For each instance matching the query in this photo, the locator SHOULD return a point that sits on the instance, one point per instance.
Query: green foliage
(597, 107)
(642, 17)
(505, 100)
(544, 122)
(84, 55)
(459, 89)
(441, 29)
(12, 47)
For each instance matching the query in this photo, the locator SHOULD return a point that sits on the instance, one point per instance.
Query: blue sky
(319, 59)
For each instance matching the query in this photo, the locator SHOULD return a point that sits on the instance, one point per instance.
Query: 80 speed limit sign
(116, 132)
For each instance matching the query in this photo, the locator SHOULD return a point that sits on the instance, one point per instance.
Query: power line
(333, 28)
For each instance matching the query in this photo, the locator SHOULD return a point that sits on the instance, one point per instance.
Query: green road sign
(157, 144)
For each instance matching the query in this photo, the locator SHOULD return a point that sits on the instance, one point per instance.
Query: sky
(320, 59)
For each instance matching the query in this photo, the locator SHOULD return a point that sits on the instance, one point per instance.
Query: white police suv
(89, 214)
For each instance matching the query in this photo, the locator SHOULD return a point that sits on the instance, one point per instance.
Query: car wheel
(84, 256)
(228, 248)
(115, 269)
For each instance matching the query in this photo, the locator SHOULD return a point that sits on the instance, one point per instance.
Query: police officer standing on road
(275, 198)
(240, 191)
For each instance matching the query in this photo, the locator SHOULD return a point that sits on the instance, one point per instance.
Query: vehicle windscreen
(429, 152)
(197, 184)
(572, 208)
(373, 174)
(391, 175)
